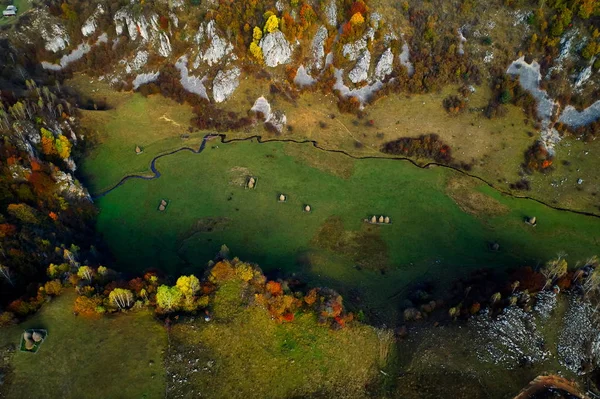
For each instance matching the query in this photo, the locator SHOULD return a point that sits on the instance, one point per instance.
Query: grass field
(494, 147)
(113, 357)
(243, 353)
(430, 237)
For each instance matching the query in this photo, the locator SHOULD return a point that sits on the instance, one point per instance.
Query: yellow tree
(121, 298)
(272, 24)
(168, 298)
(188, 285)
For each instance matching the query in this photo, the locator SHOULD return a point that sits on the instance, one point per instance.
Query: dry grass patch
(464, 192)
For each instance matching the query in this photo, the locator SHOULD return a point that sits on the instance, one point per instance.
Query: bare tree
(6, 274)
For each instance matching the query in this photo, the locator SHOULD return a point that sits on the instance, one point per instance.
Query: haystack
(374, 219)
(250, 184)
(27, 335)
(307, 208)
(387, 219)
(37, 337)
(138, 150)
(161, 207)
(381, 219)
(282, 198)
(163, 202)
(532, 221)
(29, 344)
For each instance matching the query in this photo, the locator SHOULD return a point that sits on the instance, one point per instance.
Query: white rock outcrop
(276, 119)
(360, 72)
(225, 84)
(276, 49)
(353, 50)
(144, 78)
(302, 78)
(56, 38)
(218, 46)
(318, 48)
(90, 24)
(193, 84)
(384, 65)
(331, 13)
(147, 28)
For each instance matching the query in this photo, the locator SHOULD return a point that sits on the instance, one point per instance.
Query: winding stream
(223, 140)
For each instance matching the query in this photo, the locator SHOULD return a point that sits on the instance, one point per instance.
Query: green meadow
(111, 357)
(435, 234)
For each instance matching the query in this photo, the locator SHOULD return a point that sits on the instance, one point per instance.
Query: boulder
(276, 49)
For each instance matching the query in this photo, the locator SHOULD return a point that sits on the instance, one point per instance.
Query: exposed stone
(331, 13)
(193, 84)
(302, 78)
(384, 65)
(90, 25)
(353, 50)
(218, 47)
(318, 48)
(360, 71)
(225, 84)
(276, 49)
(144, 78)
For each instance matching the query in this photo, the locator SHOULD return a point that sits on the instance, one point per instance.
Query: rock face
(302, 77)
(384, 65)
(578, 332)
(331, 13)
(218, 47)
(56, 39)
(140, 59)
(318, 48)
(353, 50)
(225, 84)
(277, 119)
(90, 25)
(144, 78)
(360, 71)
(276, 49)
(70, 187)
(147, 28)
(193, 84)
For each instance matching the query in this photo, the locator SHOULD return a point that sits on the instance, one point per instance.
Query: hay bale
(381, 219)
(387, 220)
(29, 344)
(37, 337)
(281, 197)
(161, 207)
(374, 219)
(307, 208)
